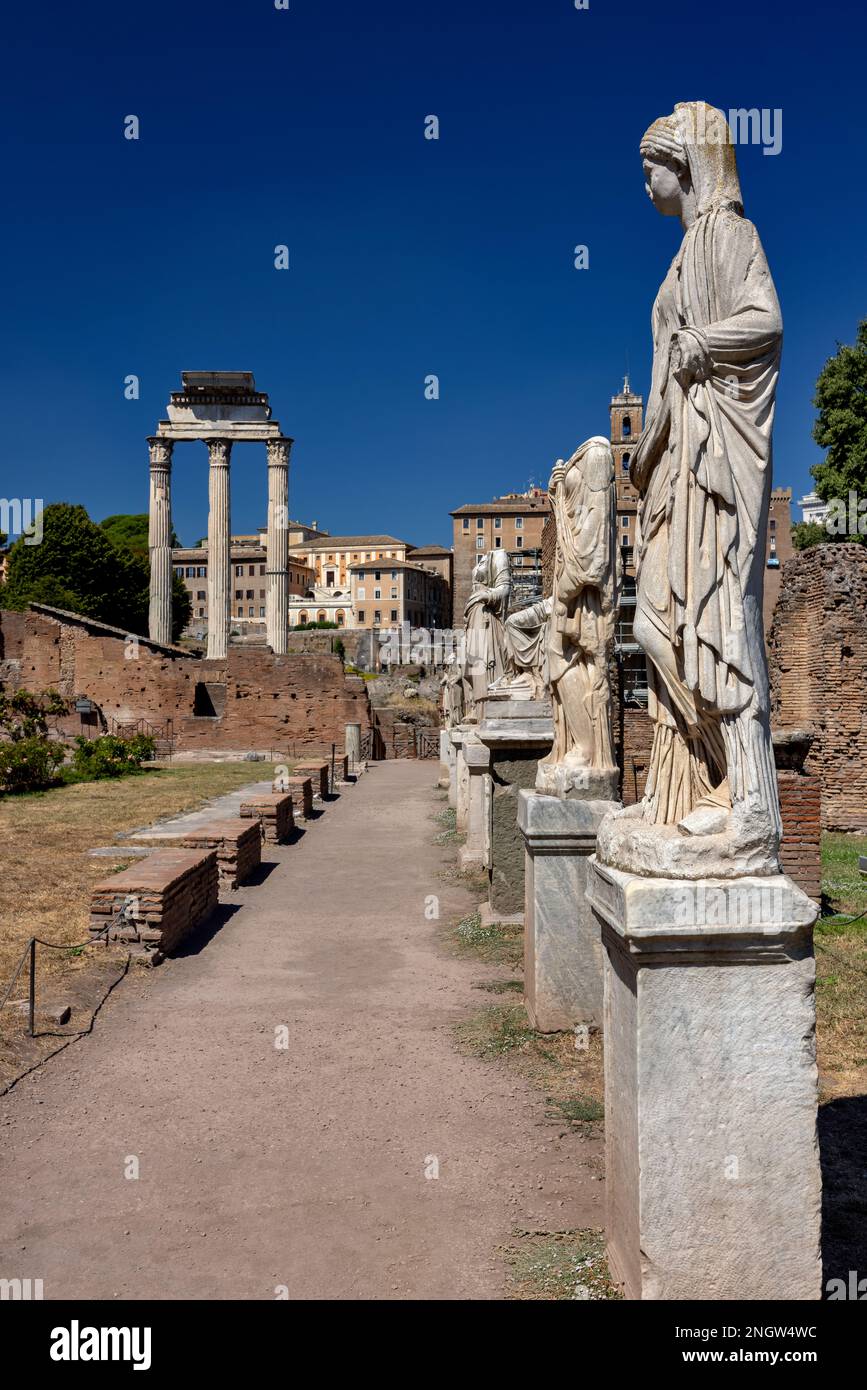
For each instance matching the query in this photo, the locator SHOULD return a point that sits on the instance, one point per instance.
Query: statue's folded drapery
(703, 466)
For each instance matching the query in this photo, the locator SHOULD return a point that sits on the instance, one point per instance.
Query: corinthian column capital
(219, 451)
(160, 451)
(278, 452)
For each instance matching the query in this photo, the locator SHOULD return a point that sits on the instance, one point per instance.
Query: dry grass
(841, 970)
(566, 1066)
(44, 839)
(558, 1265)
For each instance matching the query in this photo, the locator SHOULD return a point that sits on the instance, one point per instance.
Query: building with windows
(813, 508)
(248, 559)
(390, 593)
(513, 523)
(626, 421)
(351, 581)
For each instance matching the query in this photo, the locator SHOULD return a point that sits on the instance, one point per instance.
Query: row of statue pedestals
(703, 991)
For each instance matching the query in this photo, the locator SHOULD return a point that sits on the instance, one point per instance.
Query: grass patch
(561, 1265)
(500, 986)
(448, 819)
(47, 875)
(570, 1076)
(841, 969)
(843, 887)
(497, 944)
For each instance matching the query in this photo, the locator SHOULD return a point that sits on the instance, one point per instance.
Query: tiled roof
(348, 543)
(504, 508)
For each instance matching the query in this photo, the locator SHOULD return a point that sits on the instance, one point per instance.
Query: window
(239, 593)
(361, 593)
(191, 571)
(394, 615)
(519, 523)
(200, 594)
(377, 617)
(239, 571)
(624, 522)
(498, 521)
(302, 617)
(251, 593)
(261, 569)
(624, 462)
(466, 523)
(480, 542)
(394, 591)
(519, 542)
(252, 569)
(251, 612)
(377, 575)
(394, 574)
(773, 523)
(261, 593)
(240, 612)
(262, 611)
(627, 427)
(361, 615)
(480, 522)
(201, 572)
(322, 616)
(377, 593)
(498, 542)
(329, 579)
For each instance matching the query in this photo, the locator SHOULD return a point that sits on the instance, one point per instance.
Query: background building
(513, 523)
(249, 560)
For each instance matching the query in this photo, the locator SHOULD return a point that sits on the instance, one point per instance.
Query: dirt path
(303, 1166)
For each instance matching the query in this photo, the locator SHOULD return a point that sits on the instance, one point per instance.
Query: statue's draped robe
(485, 614)
(703, 466)
(584, 612)
(527, 640)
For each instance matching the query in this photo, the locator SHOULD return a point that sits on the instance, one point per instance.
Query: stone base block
(562, 942)
(319, 774)
(713, 1181)
(156, 903)
(275, 814)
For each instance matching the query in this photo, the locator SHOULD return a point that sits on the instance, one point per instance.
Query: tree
(76, 566)
(129, 533)
(841, 429)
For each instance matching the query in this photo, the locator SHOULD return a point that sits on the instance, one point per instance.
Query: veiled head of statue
(694, 146)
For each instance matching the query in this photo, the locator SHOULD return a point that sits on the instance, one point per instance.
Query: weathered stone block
(159, 901)
(563, 975)
(713, 1182)
(275, 813)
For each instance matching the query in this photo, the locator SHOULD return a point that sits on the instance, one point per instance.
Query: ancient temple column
(219, 560)
(160, 539)
(277, 573)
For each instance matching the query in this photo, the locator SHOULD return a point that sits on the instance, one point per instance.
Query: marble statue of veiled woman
(702, 467)
(484, 651)
(580, 631)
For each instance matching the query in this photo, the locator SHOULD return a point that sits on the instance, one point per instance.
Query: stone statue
(451, 685)
(526, 676)
(703, 469)
(580, 633)
(484, 650)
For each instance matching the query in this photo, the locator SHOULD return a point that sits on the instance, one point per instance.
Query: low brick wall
(237, 845)
(159, 901)
(319, 774)
(301, 791)
(274, 812)
(801, 810)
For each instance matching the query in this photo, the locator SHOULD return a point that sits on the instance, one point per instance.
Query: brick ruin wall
(253, 701)
(818, 669)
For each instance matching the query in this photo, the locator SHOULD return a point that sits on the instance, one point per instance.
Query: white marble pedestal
(713, 1182)
(447, 758)
(477, 757)
(562, 942)
(462, 779)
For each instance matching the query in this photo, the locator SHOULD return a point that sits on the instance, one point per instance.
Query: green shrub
(109, 756)
(29, 764)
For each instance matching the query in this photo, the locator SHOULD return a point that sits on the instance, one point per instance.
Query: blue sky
(407, 256)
